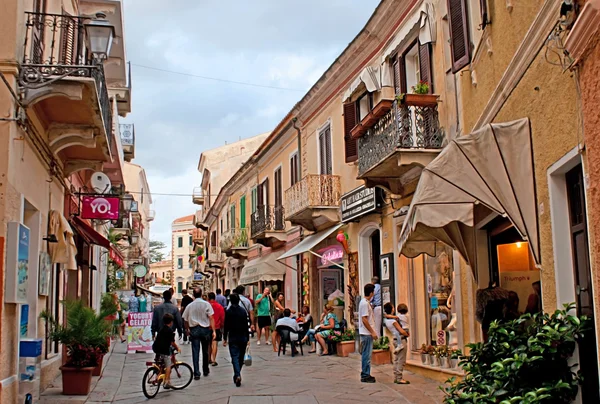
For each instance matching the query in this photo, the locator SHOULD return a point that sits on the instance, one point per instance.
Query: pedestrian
(185, 301)
(366, 329)
(264, 302)
(237, 335)
(399, 341)
(162, 346)
(245, 304)
(534, 301)
(161, 310)
(222, 300)
(173, 298)
(200, 326)
(226, 294)
(219, 317)
(376, 303)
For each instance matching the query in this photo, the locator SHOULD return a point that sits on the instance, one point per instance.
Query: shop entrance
(375, 254)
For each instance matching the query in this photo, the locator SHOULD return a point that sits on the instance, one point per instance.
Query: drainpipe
(294, 121)
(299, 262)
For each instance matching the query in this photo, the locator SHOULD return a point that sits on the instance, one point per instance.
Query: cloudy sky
(277, 43)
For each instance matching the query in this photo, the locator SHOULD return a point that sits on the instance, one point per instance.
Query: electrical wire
(243, 83)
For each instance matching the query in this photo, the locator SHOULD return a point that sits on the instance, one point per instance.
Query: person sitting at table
(310, 334)
(322, 331)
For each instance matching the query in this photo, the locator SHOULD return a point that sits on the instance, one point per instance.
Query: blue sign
(24, 320)
(197, 276)
(434, 302)
(22, 263)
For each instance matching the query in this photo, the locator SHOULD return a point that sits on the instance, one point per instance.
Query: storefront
(263, 271)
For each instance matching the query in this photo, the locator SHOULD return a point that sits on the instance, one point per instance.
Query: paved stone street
(271, 379)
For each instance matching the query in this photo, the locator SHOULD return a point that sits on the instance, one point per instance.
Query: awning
(265, 268)
(370, 76)
(93, 237)
(492, 169)
(423, 19)
(310, 242)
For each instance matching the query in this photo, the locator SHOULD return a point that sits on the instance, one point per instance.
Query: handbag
(248, 357)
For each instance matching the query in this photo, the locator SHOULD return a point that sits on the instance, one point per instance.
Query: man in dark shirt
(185, 300)
(236, 332)
(161, 310)
(165, 340)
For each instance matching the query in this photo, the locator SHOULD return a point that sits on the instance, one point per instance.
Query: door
(326, 167)
(331, 280)
(278, 209)
(588, 359)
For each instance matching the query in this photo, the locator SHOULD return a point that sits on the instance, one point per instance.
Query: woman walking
(236, 334)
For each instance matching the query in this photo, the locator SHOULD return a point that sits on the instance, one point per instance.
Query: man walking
(222, 300)
(245, 304)
(263, 312)
(376, 303)
(219, 317)
(200, 326)
(236, 334)
(185, 300)
(166, 308)
(366, 329)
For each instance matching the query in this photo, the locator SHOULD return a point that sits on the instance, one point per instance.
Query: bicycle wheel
(181, 375)
(151, 382)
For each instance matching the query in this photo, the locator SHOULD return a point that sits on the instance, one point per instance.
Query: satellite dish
(100, 182)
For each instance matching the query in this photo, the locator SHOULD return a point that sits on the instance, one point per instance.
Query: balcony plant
(84, 336)
(524, 361)
(420, 96)
(381, 351)
(345, 342)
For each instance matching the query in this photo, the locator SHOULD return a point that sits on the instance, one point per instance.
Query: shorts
(264, 321)
(218, 336)
(166, 359)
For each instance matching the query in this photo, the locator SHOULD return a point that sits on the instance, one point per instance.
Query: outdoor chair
(285, 333)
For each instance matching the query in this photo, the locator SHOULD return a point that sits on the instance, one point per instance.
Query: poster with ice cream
(139, 333)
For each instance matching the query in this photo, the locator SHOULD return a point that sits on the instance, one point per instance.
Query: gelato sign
(139, 332)
(100, 207)
(331, 254)
(358, 202)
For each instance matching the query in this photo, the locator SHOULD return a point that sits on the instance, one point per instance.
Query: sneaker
(398, 349)
(197, 377)
(369, 379)
(214, 364)
(206, 374)
(268, 343)
(257, 342)
(167, 387)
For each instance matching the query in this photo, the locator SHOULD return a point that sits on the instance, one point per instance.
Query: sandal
(401, 381)
(324, 354)
(314, 351)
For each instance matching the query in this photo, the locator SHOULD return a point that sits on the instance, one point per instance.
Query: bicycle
(181, 376)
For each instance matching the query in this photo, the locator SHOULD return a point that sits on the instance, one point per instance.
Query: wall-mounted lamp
(127, 200)
(50, 238)
(100, 35)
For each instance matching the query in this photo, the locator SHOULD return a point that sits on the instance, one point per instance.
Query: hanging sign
(115, 257)
(100, 207)
(359, 202)
(139, 332)
(197, 276)
(331, 254)
(17, 263)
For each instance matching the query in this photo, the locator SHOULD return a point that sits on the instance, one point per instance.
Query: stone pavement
(270, 380)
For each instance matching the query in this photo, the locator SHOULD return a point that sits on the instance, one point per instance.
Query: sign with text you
(100, 207)
(358, 202)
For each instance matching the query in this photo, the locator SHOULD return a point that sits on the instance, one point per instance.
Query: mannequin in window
(491, 305)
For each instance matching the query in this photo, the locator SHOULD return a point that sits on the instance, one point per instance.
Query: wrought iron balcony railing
(267, 218)
(313, 191)
(54, 48)
(234, 238)
(405, 126)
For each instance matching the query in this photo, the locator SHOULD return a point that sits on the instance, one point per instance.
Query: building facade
(182, 249)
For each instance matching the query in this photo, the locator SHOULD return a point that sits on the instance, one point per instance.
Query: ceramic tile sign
(17, 263)
(139, 332)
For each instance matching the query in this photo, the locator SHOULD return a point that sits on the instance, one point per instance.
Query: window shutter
(266, 192)
(278, 188)
(350, 121)
(67, 40)
(259, 196)
(329, 165)
(243, 212)
(459, 34)
(425, 65)
(484, 13)
(322, 152)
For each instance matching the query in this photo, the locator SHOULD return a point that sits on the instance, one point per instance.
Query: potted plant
(84, 337)
(346, 342)
(442, 353)
(381, 351)
(420, 96)
(455, 356)
(431, 355)
(424, 354)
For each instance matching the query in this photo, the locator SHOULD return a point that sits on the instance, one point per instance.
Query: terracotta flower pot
(98, 369)
(420, 100)
(381, 357)
(76, 381)
(345, 348)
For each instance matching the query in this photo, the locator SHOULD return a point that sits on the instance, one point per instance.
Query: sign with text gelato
(331, 254)
(100, 207)
(139, 332)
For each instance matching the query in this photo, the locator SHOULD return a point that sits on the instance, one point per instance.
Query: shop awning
(93, 237)
(310, 242)
(265, 268)
(491, 168)
(371, 76)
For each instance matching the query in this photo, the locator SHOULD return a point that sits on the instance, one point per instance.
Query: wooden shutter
(67, 45)
(294, 175)
(460, 45)
(278, 186)
(259, 196)
(254, 199)
(350, 121)
(484, 13)
(243, 212)
(232, 216)
(425, 65)
(328, 160)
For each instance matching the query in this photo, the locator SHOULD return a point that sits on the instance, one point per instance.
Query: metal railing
(54, 48)
(234, 238)
(313, 191)
(403, 127)
(267, 218)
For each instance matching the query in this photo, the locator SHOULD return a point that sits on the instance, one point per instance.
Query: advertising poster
(44, 278)
(24, 322)
(23, 263)
(139, 333)
(520, 282)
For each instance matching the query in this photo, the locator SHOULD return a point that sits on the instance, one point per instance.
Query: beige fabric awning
(265, 268)
(492, 168)
(371, 76)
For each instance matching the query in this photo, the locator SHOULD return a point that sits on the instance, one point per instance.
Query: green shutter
(232, 216)
(254, 197)
(243, 212)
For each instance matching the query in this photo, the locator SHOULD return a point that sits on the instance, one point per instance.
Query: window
(221, 222)
(278, 188)
(412, 66)
(350, 121)
(232, 216)
(325, 165)
(294, 169)
(180, 242)
(253, 199)
(460, 46)
(191, 264)
(364, 105)
(163, 275)
(243, 212)
(191, 241)
(179, 263)
(263, 193)
(179, 287)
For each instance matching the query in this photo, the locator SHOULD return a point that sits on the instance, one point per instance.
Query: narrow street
(303, 380)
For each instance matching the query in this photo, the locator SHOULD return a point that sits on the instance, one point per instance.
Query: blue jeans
(200, 336)
(366, 350)
(310, 334)
(237, 350)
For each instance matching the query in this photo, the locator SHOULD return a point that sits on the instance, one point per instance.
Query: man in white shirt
(200, 326)
(366, 329)
(288, 321)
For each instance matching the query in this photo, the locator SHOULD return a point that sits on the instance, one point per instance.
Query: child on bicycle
(163, 346)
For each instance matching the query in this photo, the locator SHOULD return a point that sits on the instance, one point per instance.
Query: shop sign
(115, 257)
(359, 202)
(331, 254)
(100, 207)
(44, 274)
(197, 276)
(139, 333)
(17, 263)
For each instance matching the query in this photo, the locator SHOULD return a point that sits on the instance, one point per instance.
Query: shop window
(57, 294)
(442, 316)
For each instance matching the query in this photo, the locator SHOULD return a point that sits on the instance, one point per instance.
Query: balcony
(234, 243)
(127, 131)
(122, 226)
(60, 79)
(197, 236)
(199, 220)
(408, 136)
(268, 226)
(314, 202)
(198, 196)
(215, 257)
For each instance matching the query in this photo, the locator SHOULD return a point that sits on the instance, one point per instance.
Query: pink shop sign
(100, 207)
(331, 254)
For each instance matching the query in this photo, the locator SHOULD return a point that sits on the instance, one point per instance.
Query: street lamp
(100, 35)
(134, 239)
(127, 201)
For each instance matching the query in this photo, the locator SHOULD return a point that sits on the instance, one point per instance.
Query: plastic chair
(285, 333)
